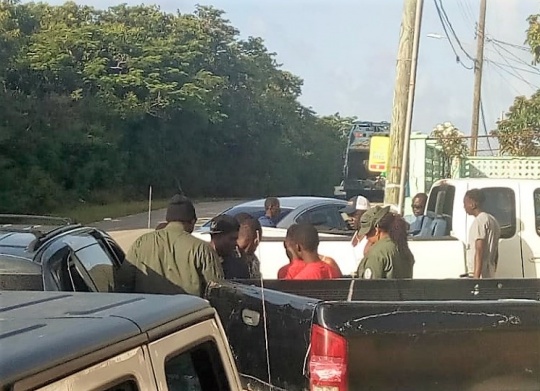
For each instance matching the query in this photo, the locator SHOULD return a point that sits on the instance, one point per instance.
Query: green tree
(519, 132)
(99, 104)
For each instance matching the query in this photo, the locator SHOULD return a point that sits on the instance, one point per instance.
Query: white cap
(356, 203)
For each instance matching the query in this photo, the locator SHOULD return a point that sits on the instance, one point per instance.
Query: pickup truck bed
(384, 335)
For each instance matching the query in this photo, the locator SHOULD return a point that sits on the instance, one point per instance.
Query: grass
(88, 213)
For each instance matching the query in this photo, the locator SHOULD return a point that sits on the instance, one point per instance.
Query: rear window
(99, 266)
(501, 204)
(441, 200)
(199, 369)
(256, 212)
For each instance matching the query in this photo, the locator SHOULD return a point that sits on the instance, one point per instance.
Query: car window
(537, 210)
(441, 200)
(198, 369)
(323, 217)
(501, 204)
(255, 212)
(99, 266)
(128, 385)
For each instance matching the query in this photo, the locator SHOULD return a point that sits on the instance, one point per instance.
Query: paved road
(205, 211)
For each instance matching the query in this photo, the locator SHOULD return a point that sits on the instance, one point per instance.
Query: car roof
(41, 330)
(289, 202)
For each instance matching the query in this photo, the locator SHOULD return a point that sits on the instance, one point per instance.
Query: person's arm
(126, 273)
(479, 248)
(208, 263)
(373, 269)
(479, 245)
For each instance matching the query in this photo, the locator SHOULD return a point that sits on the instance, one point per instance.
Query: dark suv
(54, 254)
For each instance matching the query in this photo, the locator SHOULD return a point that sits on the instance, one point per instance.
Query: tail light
(327, 361)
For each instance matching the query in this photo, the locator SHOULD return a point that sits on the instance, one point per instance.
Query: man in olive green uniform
(389, 255)
(171, 260)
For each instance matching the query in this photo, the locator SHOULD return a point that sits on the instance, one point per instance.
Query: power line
(517, 58)
(520, 47)
(513, 67)
(467, 16)
(484, 125)
(453, 31)
(516, 75)
(443, 24)
(505, 79)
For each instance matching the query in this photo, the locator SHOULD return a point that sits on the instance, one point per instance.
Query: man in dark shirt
(272, 210)
(224, 234)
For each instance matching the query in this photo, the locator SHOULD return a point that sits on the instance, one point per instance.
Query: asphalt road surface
(205, 211)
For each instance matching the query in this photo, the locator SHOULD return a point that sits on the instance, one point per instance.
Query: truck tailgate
(448, 345)
(289, 328)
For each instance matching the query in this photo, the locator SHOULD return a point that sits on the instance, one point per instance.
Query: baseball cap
(371, 218)
(224, 224)
(356, 203)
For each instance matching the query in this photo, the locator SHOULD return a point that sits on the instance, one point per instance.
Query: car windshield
(254, 211)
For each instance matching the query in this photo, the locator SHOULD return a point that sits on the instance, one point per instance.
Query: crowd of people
(171, 260)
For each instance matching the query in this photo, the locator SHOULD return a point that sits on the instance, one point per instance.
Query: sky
(346, 50)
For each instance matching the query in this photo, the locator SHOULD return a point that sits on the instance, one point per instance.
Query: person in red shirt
(301, 244)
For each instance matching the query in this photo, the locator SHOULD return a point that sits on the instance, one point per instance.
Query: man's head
(181, 210)
(250, 233)
(355, 208)
(271, 207)
(419, 202)
(473, 201)
(224, 233)
(370, 223)
(301, 241)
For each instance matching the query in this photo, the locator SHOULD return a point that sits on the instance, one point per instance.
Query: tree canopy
(100, 104)
(519, 132)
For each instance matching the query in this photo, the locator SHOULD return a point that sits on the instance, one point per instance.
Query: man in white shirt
(484, 234)
(355, 208)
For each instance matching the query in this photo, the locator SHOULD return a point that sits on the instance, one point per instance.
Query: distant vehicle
(112, 342)
(48, 253)
(357, 179)
(322, 212)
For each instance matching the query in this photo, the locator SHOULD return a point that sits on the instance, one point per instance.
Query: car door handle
(251, 318)
(534, 259)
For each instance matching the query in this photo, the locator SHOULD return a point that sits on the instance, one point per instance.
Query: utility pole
(478, 67)
(402, 104)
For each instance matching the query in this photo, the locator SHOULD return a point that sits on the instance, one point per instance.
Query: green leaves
(110, 101)
(519, 132)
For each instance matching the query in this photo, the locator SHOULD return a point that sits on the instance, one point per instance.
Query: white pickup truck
(515, 203)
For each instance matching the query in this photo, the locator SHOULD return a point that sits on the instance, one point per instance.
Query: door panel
(530, 236)
(501, 203)
(130, 367)
(195, 358)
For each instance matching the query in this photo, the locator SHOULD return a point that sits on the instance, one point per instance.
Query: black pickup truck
(339, 335)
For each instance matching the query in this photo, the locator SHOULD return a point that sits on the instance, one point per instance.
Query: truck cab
(112, 342)
(515, 203)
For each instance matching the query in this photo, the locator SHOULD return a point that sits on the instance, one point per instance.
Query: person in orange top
(336, 271)
(301, 244)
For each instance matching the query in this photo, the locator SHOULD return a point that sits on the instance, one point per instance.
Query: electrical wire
(517, 58)
(484, 125)
(515, 74)
(449, 24)
(520, 47)
(443, 24)
(496, 70)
